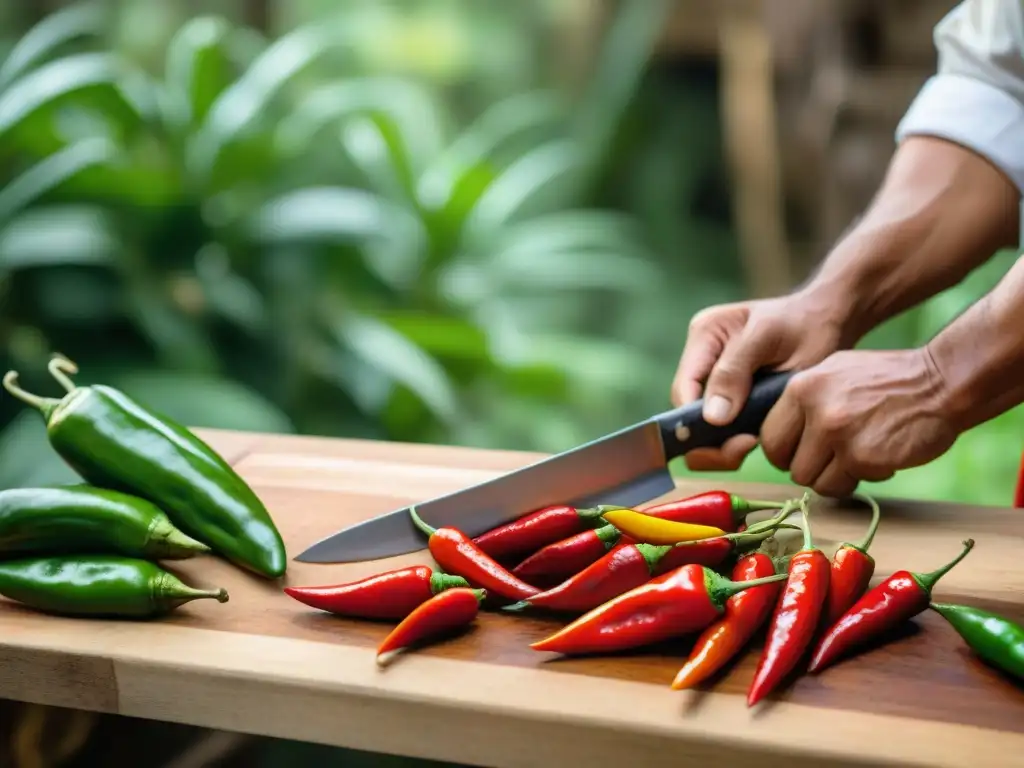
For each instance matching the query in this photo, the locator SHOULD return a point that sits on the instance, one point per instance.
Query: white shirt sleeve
(976, 98)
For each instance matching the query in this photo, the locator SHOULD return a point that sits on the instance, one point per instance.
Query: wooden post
(752, 146)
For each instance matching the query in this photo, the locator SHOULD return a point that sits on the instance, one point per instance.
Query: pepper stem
(176, 545)
(808, 539)
(652, 553)
(768, 526)
(44, 404)
(927, 580)
(720, 589)
(418, 522)
(742, 506)
(876, 516)
(439, 582)
(176, 595)
(59, 367)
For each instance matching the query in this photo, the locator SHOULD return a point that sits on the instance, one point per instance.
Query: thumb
(730, 380)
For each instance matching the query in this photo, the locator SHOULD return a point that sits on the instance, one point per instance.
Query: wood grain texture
(263, 663)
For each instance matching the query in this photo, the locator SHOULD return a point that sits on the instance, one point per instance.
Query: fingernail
(717, 408)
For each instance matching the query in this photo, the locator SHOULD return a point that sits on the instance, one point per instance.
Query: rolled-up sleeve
(976, 97)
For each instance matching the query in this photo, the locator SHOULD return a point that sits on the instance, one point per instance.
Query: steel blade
(625, 468)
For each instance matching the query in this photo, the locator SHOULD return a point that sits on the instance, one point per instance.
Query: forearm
(941, 211)
(979, 357)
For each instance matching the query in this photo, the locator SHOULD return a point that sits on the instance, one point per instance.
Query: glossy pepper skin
(717, 509)
(1018, 491)
(102, 586)
(796, 617)
(715, 551)
(569, 556)
(535, 530)
(83, 519)
(114, 442)
(852, 569)
(443, 613)
(895, 600)
(745, 613)
(995, 639)
(389, 595)
(456, 553)
(625, 568)
(687, 600)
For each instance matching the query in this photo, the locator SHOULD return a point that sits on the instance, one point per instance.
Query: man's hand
(860, 415)
(727, 344)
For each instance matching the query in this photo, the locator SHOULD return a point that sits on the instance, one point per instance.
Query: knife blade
(625, 468)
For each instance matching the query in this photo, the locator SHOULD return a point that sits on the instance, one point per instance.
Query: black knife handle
(684, 429)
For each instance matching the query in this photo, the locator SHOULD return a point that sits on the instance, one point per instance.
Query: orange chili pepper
(442, 613)
(745, 612)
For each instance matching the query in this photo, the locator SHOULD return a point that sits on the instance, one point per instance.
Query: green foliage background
(384, 220)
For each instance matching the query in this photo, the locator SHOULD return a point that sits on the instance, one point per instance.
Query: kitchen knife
(625, 468)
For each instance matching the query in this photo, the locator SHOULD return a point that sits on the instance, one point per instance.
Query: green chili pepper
(995, 639)
(98, 585)
(114, 442)
(83, 519)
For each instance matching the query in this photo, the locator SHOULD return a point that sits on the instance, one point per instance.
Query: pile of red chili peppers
(634, 578)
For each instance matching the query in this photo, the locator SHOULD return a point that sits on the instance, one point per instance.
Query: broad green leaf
(82, 19)
(519, 191)
(624, 57)
(198, 68)
(497, 126)
(203, 401)
(410, 107)
(51, 83)
(52, 236)
(26, 458)
(392, 238)
(379, 159)
(394, 355)
(243, 103)
(440, 335)
(48, 174)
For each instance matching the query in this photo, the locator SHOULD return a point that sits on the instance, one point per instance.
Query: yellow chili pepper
(653, 530)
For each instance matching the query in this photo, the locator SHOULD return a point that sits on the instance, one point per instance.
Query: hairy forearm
(979, 357)
(941, 212)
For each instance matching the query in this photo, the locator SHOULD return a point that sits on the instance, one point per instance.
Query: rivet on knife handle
(684, 429)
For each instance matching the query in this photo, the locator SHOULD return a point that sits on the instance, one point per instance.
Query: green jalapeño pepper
(102, 586)
(114, 442)
(995, 639)
(83, 519)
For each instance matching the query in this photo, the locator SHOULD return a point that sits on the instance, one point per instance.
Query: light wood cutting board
(265, 664)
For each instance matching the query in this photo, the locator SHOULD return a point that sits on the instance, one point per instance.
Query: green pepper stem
(720, 589)
(418, 522)
(44, 404)
(652, 553)
(876, 516)
(439, 582)
(59, 367)
(808, 539)
(742, 506)
(927, 580)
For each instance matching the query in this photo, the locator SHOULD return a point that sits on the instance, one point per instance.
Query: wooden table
(265, 664)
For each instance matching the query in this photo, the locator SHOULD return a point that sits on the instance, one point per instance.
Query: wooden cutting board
(265, 664)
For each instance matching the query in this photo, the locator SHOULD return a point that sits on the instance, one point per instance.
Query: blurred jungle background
(482, 222)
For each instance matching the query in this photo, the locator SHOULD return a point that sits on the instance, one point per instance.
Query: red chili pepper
(852, 569)
(897, 599)
(569, 556)
(535, 530)
(745, 612)
(389, 595)
(691, 599)
(796, 617)
(1018, 493)
(718, 509)
(455, 552)
(442, 613)
(628, 567)
(714, 551)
